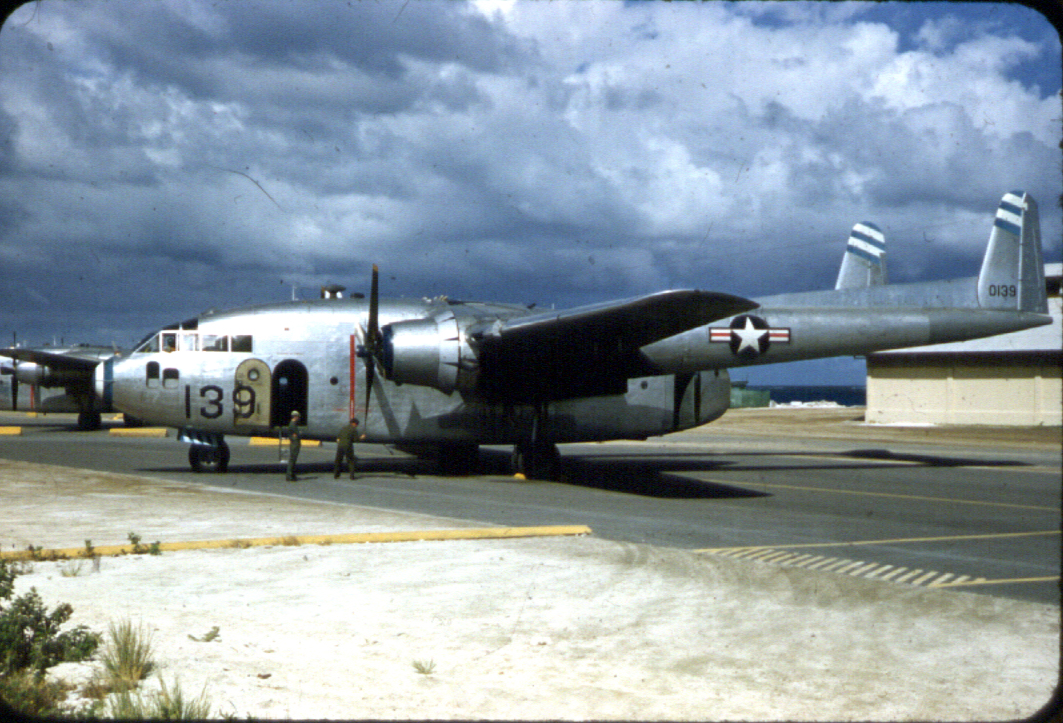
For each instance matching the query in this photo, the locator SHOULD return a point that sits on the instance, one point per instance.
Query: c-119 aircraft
(444, 377)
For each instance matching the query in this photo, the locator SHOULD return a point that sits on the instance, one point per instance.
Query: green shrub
(30, 693)
(30, 642)
(30, 636)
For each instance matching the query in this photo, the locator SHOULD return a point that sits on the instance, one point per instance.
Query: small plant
(134, 540)
(89, 550)
(127, 659)
(208, 637)
(424, 667)
(155, 548)
(169, 703)
(71, 569)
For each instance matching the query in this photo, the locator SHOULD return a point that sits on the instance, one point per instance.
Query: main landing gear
(207, 451)
(536, 460)
(205, 458)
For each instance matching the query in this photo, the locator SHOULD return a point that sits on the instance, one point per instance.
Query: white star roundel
(749, 336)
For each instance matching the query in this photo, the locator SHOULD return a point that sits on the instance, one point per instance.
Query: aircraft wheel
(88, 421)
(536, 461)
(204, 458)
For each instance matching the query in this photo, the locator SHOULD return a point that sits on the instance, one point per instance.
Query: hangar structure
(1011, 379)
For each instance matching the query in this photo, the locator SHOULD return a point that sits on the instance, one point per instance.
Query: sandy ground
(554, 627)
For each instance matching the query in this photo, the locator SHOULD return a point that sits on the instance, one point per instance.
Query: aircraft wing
(638, 321)
(590, 350)
(67, 361)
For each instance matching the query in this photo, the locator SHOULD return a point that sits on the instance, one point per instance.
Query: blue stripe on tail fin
(1012, 275)
(864, 262)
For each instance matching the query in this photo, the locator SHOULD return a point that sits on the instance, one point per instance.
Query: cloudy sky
(159, 159)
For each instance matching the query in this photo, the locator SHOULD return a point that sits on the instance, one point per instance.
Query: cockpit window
(149, 345)
(169, 341)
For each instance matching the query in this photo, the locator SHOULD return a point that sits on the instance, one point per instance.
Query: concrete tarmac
(556, 627)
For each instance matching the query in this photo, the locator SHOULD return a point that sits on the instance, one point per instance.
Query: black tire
(88, 421)
(204, 458)
(536, 461)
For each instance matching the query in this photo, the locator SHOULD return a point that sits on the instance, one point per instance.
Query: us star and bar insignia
(748, 335)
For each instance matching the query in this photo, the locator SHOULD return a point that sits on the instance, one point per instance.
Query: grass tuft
(424, 667)
(169, 703)
(127, 657)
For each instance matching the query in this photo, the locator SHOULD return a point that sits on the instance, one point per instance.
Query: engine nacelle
(431, 353)
(706, 396)
(40, 375)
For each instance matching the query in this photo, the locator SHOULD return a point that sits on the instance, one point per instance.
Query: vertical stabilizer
(864, 262)
(1013, 272)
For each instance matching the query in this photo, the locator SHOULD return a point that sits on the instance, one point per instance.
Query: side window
(189, 342)
(242, 343)
(169, 341)
(215, 342)
(170, 378)
(152, 376)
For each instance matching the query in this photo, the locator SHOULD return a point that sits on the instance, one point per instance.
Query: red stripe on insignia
(779, 335)
(720, 335)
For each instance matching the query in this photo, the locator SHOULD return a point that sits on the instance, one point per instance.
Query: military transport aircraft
(446, 376)
(71, 368)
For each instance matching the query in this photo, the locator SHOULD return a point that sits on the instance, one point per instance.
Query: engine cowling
(28, 372)
(431, 352)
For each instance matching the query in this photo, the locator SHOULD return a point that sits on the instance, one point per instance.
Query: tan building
(1011, 379)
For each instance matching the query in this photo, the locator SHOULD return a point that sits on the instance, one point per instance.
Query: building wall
(987, 389)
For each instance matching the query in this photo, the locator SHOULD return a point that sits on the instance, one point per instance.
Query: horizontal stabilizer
(864, 262)
(1012, 275)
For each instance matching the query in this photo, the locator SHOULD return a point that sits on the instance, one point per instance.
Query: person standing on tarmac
(345, 447)
(294, 443)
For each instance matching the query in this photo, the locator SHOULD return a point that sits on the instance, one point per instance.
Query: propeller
(373, 340)
(14, 373)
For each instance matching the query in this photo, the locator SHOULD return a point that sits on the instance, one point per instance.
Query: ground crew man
(294, 443)
(345, 447)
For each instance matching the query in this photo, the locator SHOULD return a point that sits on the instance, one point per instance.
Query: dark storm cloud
(162, 158)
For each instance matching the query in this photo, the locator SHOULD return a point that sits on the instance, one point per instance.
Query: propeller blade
(372, 337)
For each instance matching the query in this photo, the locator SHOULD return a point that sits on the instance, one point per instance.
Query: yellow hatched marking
(863, 569)
(894, 541)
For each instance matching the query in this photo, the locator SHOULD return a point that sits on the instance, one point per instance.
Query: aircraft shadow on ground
(657, 476)
(664, 476)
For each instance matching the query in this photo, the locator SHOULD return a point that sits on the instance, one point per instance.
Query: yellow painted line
(919, 498)
(895, 541)
(272, 441)
(11, 431)
(139, 432)
(491, 533)
(1002, 581)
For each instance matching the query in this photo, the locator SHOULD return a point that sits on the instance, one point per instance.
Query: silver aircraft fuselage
(243, 372)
